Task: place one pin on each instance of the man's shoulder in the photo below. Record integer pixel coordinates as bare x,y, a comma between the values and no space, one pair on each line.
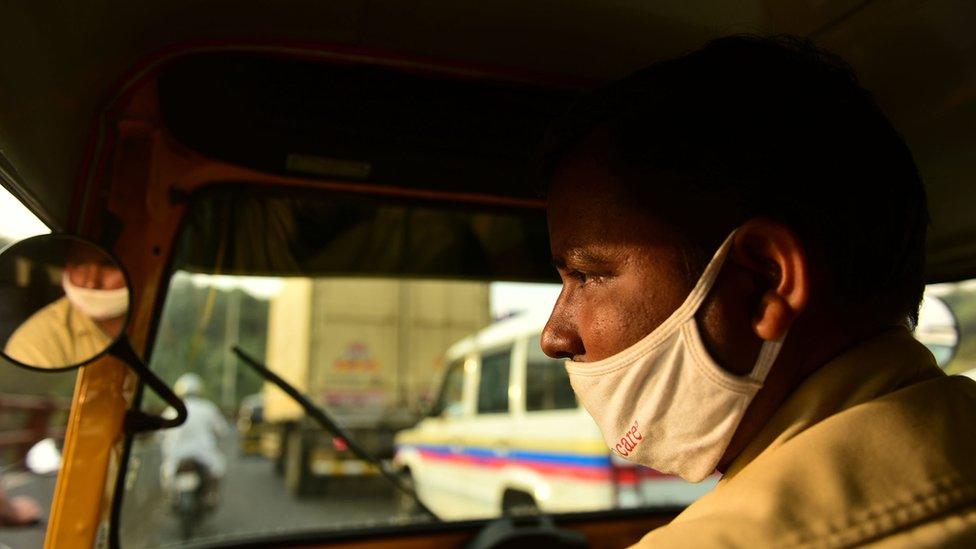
54,314
45,329
953,529
725,530
896,462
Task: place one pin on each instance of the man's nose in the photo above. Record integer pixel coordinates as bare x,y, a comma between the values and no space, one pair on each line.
88,276
560,338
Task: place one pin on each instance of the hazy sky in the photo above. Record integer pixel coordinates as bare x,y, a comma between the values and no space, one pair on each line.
16,221
507,298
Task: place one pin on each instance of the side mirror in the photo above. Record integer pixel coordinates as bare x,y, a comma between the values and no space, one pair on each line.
65,302
938,329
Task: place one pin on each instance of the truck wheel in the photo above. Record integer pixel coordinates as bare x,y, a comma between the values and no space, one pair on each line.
281,432
298,479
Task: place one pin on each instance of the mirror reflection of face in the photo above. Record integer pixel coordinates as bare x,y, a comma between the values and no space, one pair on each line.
95,275
65,302
87,267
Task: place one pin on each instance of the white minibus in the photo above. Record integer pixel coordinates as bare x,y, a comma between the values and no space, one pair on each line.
506,433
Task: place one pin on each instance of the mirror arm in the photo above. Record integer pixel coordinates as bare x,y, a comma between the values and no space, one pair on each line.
137,421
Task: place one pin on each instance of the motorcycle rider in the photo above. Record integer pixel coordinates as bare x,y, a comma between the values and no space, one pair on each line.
196,439
18,510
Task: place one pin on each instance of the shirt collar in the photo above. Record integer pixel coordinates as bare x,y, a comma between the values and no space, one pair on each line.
873,368
82,326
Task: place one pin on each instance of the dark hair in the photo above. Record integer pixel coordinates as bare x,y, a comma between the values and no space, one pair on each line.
771,127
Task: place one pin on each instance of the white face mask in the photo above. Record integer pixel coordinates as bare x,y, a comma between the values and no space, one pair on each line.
96,304
663,402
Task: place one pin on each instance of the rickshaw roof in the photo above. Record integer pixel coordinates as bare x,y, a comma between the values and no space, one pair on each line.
62,62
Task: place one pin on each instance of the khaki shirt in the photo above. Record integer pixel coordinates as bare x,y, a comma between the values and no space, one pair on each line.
876,448
57,336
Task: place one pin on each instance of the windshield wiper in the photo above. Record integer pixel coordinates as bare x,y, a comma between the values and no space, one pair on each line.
323,418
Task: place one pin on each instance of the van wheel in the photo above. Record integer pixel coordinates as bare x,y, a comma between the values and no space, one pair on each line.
406,506
516,502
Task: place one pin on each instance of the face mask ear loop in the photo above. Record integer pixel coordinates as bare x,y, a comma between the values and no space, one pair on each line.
767,356
708,278
770,349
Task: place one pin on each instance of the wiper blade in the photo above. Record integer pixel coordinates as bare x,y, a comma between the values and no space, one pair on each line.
323,418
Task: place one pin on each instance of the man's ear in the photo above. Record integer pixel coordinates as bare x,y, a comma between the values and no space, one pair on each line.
774,255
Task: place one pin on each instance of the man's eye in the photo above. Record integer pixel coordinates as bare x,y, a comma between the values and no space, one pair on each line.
578,275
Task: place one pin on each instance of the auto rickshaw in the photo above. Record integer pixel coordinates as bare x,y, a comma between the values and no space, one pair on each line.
215,137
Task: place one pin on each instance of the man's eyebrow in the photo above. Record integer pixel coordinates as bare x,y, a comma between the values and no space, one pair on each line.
578,255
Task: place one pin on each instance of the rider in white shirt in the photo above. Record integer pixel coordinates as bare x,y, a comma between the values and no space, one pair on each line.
199,437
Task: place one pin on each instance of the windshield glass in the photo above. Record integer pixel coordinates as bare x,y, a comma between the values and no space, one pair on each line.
415,326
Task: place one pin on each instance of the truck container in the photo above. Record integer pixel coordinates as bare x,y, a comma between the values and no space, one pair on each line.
369,351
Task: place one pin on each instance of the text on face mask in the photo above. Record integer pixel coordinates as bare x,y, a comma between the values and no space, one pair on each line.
629,441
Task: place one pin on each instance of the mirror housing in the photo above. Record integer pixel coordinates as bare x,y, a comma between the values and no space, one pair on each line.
938,329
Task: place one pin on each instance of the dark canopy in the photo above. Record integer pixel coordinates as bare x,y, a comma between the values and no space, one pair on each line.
59,62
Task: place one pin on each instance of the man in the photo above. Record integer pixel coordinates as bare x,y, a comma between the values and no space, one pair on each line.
197,439
83,323
740,235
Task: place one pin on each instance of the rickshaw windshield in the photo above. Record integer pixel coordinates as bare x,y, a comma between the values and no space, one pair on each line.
416,325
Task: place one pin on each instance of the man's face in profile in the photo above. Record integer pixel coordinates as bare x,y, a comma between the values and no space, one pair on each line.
622,273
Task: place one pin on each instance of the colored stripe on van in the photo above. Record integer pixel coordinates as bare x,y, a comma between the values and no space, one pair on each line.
579,466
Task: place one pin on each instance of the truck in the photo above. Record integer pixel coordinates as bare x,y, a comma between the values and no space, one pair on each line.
367,350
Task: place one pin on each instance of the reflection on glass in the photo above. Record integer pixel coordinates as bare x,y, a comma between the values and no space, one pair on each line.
451,400
493,387
65,301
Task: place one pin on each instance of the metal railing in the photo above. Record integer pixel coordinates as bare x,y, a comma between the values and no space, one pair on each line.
26,421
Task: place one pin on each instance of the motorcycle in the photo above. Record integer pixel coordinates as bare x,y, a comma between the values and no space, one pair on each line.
194,493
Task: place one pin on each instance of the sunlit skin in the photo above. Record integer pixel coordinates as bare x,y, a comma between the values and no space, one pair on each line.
624,273
97,274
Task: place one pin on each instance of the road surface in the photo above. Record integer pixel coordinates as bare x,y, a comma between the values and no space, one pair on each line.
41,488
253,503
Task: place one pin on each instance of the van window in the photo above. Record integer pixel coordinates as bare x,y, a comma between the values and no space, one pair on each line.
546,381
493,386
451,402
